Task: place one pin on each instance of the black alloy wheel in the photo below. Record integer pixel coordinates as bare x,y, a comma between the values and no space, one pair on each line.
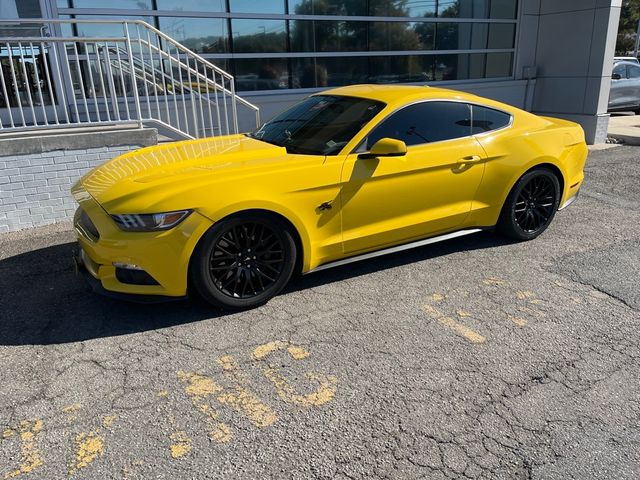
535,204
244,260
531,205
247,260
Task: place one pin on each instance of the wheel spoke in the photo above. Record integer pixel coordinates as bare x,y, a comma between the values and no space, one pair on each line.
262,274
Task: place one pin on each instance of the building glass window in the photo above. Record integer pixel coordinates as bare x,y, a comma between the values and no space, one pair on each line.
470,36
506,9
116,4
328,36
328,7
251,48
99,30
251,36
253,6
191,5
402,69
202,35
261,74
19,9
390,36
328,71
498,65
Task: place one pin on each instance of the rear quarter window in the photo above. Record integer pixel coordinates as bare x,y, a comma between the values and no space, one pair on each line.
486,119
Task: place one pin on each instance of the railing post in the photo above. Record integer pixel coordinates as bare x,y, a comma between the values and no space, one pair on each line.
234,111
136,97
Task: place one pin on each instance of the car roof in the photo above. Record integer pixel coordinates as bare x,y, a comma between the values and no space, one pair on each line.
398,94
392,93
626,62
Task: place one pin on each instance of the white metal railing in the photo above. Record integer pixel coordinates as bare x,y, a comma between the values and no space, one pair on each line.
136,75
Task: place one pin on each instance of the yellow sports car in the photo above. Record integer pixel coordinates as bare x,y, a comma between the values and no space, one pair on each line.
344,175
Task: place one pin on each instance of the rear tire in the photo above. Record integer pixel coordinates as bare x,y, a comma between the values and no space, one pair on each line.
243,261
531,205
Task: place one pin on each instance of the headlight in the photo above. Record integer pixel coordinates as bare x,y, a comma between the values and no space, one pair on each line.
149,222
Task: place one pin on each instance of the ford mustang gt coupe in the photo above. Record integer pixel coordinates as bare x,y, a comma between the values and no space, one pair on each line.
346,174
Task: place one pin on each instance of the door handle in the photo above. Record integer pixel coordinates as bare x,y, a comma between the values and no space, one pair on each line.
470,160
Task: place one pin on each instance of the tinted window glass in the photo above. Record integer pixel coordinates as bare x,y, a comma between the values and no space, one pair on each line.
487,119
634,72
620,69
424,123
319,125
403,8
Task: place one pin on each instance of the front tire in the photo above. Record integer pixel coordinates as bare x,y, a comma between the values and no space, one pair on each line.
530,206
243,261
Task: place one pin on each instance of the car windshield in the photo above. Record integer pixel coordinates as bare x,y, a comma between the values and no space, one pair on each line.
319,125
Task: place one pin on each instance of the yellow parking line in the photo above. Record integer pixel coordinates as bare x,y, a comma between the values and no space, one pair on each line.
521,322
496,282
458,328
461,330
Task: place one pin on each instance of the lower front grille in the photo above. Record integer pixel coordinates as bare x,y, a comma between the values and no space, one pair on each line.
88,225
134,277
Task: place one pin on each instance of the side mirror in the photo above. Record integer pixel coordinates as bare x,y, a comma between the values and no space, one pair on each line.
386,147
616,76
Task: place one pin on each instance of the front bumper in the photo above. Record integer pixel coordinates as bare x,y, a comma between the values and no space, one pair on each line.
162,255
81,260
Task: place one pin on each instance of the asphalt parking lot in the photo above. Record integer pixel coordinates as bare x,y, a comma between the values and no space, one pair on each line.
476,358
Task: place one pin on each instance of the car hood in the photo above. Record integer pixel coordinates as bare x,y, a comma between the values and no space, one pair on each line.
179,163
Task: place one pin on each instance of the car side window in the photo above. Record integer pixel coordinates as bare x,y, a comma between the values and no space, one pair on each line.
486,119
425,122
634,72
621,70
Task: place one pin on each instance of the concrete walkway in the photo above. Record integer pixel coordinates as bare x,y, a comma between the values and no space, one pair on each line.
625,127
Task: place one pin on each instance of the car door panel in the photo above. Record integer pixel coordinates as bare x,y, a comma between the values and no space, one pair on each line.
618,87
394,200
633,72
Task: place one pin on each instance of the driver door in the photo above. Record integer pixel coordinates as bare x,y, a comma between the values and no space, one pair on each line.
394,200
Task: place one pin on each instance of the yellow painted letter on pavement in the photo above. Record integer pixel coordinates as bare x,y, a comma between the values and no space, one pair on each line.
29,452
199,388
327,384
241,399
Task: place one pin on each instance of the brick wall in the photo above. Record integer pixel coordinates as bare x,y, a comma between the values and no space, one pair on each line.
34,188
38,170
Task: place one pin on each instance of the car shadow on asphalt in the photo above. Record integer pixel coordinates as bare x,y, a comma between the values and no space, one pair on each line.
44,301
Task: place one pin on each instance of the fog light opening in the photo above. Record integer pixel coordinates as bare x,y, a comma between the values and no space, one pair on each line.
127,266
137,276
